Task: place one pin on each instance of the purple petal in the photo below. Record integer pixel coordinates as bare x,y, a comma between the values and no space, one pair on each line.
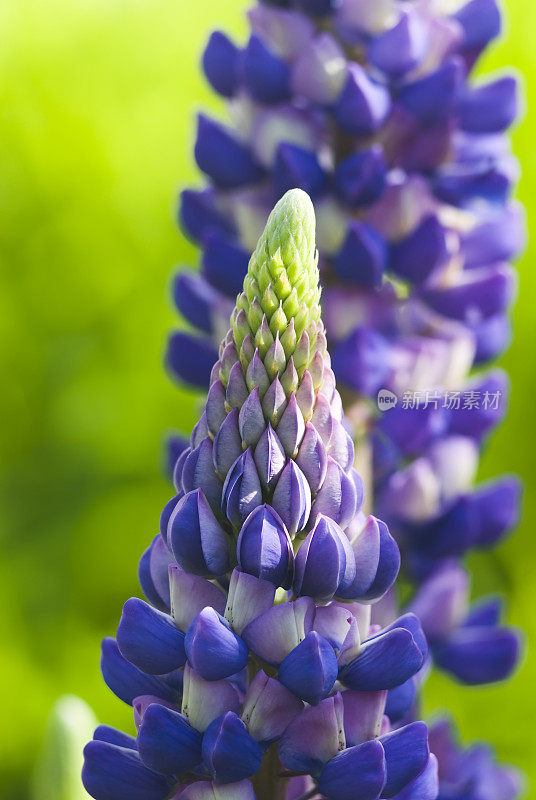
274,634
269,458
269,708
149,639
357,773
292,498
363,715
406,755
117,773
198,542
166,741
310,670
314,737
264,548
204,701
324,563
248,598
213,649
230,754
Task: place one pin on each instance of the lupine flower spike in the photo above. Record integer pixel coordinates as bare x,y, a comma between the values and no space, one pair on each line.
253,669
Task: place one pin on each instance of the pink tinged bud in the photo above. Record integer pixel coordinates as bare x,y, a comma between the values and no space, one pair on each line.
352,644
328,382
200,431
305,396
159,561
249,597
322,418
215,407
334,624
264,548
190,594
320,70
292,498
314,737
197,541
241,490
228,359
316,368
227,444
274,634
269,458
341,446
204,701
178,468
237,391
363,715
291,427
141,704
325,562
337,497
251,422
274,402
269,708
256,375
198,473
312,457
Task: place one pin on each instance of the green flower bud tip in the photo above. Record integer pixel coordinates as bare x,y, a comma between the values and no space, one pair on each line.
278,312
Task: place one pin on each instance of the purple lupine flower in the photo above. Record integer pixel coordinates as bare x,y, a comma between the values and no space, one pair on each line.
257,627
471,773
467,641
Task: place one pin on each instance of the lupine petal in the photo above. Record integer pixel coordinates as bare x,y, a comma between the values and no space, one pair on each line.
198,542
314,737
357,773
274,634
406,755
117,773
269,708
150,639
213,649
166,741
229,753
310,670
126,680
384,662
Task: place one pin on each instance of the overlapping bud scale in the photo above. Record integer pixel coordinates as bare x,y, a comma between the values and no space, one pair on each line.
260,584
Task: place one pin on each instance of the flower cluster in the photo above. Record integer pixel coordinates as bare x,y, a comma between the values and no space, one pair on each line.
255,657
371,109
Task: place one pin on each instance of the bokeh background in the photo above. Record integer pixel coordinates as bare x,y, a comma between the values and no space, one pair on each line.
97,101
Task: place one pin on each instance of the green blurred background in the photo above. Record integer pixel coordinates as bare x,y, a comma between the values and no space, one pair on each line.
97,108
